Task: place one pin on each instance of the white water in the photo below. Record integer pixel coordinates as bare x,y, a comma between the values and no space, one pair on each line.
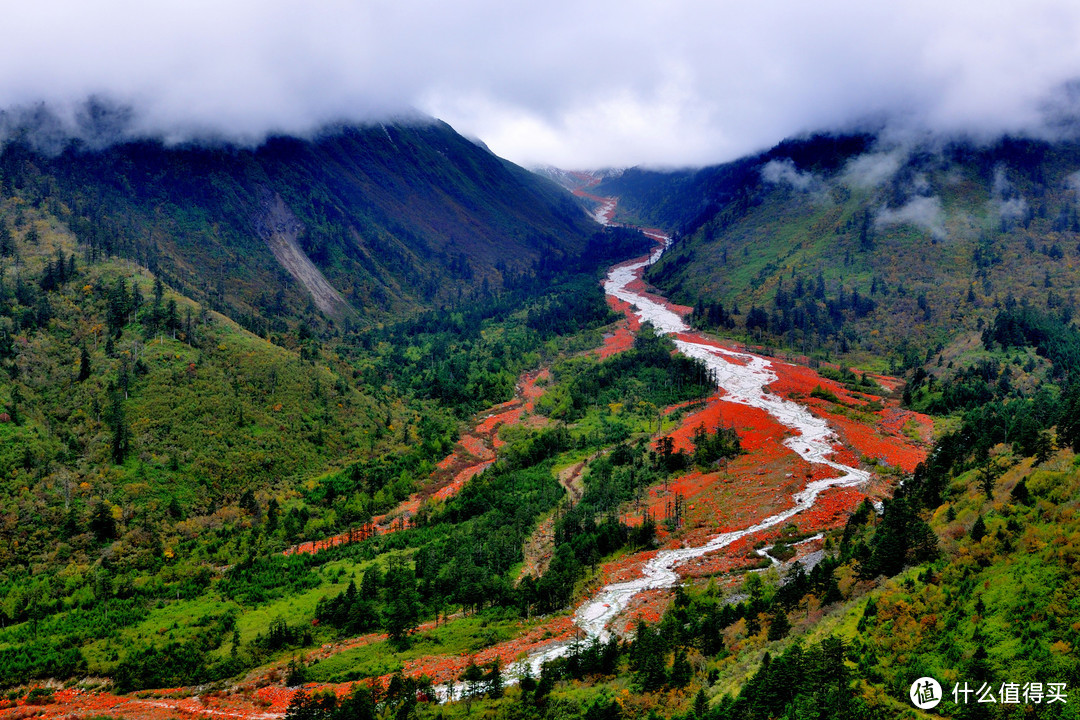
743,382
603,213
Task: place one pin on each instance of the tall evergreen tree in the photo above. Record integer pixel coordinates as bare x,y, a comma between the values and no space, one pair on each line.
402,613
84,363
118,307
7,243
102,523
121,432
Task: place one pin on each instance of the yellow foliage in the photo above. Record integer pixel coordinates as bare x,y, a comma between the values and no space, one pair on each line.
135,490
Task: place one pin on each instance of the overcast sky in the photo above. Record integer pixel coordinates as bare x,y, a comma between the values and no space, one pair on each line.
575,84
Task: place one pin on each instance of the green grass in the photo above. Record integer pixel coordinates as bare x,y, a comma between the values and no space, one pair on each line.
457,637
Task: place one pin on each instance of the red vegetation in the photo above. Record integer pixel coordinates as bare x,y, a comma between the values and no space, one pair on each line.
475,451
262,703
445,668
800,381
830,511
729,497
618,341
648,606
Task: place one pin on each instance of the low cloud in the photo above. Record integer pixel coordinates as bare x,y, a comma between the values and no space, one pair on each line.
1013,209
621,83
95,123
1072,181
1001,187
923,212
783,172
1006,201
872,170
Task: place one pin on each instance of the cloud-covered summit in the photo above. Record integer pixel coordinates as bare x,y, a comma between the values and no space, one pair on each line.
686,82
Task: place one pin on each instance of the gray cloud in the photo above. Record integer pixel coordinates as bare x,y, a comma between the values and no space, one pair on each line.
783,172
923,212
1072,181
873,169
1009,205
603,83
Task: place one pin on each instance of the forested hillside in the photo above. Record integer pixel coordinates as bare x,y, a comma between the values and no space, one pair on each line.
157,458
354,225
854,247
220,500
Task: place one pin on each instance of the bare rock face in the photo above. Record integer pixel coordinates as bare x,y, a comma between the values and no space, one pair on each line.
280,229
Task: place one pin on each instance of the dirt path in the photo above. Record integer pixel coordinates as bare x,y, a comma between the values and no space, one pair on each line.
570,479
540,545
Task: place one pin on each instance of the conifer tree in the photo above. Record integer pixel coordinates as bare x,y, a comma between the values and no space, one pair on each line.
119,305
978,530
7,243
779,627
102,523
402,613
84,363
121,433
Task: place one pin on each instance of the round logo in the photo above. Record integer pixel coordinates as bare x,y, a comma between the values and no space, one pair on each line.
925,693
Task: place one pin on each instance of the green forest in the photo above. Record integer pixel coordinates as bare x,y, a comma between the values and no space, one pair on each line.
169,432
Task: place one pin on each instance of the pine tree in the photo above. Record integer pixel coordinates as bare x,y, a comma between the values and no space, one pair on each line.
13,406
701,705
370,584
136,296
779,626
7,243
84,363
296,673
402,613
272,512
118,308
172,317
249,504
494,680
978,529
102,523
1020,492
188,331
152,320
681,671
121,433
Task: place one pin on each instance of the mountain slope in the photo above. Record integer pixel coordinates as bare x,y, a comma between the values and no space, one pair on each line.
844,245
368,221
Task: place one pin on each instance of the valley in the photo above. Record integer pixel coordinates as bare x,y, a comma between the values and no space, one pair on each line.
802,473
553,491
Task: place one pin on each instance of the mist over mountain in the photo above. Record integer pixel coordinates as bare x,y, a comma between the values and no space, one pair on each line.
312,405
898,248
607,85
362,221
